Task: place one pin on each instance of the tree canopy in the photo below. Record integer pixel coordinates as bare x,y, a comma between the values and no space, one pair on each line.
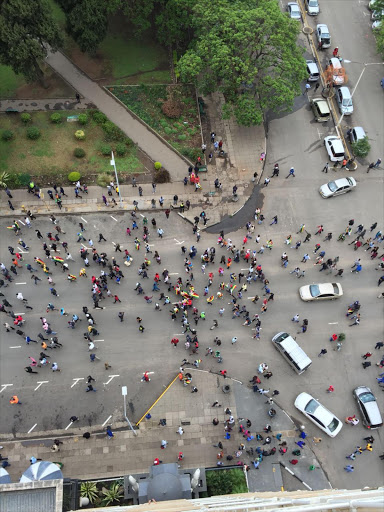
246,49
27,29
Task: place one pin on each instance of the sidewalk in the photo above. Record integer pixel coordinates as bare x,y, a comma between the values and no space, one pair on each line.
39,105
135,130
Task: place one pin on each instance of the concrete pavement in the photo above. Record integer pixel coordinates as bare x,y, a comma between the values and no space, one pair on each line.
48,104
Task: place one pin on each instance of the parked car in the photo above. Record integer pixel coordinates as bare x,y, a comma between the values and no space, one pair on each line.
368,406
322,291
335,148
323,35
318,414
338,72
313,71
337,187
294,11
355,134
344,101
320,110
312,7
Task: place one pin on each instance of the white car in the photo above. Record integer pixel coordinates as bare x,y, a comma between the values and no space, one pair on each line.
335,148
337,187
318,414
313,71
294,11
322,291
312,7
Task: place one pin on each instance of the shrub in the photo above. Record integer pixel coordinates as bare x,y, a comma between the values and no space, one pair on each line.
105,149
89,490
361,148
4,179
83,118
74,176
103,179
162,176
56,118
182,136
99,117
33,133
121,149
113,494
7,135
80,135
26,118
79,152
341,336
158,166
112,132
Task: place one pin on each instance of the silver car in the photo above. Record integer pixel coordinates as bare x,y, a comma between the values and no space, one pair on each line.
368,407
294,11
312,7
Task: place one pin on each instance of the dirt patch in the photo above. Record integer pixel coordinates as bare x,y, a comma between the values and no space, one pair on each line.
54,87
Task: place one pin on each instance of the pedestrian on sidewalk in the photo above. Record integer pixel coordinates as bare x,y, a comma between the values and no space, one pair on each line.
109,432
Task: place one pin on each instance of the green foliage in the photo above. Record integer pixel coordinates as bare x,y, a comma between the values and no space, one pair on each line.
342,336
7,135
74,176
89,490
361,148
173,22
113,494
79,152
249,54
139,13
379,35
27,29
33,133
87,23
4,179
112,132
162,176
103,179
83,119
25,118
230,481
80,134
56,118
105,149
158,166
121,149
99,117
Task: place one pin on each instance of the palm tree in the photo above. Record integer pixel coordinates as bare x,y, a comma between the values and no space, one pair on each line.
4,178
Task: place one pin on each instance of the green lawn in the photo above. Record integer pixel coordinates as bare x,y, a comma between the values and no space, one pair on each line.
51,156
182,131
9,82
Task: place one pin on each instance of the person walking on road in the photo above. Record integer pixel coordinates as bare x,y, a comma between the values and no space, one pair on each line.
291,173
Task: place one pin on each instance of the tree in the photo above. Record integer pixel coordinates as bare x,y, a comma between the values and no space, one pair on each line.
379,35
87,22
173,23
27,30
140,12
361,148
247,50
226,481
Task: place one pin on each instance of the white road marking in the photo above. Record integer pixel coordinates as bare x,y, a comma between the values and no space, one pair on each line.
111,377
76,381
98,340
21,222
17,346
17,314
333,323
40,383
20,283
22,251
30,430
106,421
85,247
95,226
174,274
67,427
4,386
113,218
177,242
142,215
82,218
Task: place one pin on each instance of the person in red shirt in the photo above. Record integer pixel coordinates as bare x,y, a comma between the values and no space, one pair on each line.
156,462
174,341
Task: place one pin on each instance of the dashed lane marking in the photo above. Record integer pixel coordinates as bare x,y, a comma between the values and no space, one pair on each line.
17,346
98,340
333,323
110,378
67,427
76,381
21,222
40,383
82,218
20,283
113,218
106,421
4,386
30,430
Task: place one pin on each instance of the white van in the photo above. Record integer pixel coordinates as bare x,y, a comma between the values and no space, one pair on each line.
290,350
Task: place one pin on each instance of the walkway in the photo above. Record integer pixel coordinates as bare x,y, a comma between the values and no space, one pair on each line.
136,131
39,105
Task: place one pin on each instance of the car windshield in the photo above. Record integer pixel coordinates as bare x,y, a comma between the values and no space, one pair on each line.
332,186
333,425
347,102
367,397
350,182
335,288
314,290
313,3
311,406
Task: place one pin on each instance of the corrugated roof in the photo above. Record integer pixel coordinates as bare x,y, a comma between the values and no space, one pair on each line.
31,500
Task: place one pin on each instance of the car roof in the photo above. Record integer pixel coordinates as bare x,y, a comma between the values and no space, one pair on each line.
345,92
293,4
360,132
312,66
323,27
361,389
335,62
342,182
322,413
336,143
325,287
322,104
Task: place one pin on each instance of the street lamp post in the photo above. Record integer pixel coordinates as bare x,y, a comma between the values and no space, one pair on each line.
113,163
124,392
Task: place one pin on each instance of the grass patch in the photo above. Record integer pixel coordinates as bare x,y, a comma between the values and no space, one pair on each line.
183,133
9,82
51,156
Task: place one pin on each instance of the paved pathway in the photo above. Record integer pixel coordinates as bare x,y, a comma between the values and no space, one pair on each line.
136,131
49,104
